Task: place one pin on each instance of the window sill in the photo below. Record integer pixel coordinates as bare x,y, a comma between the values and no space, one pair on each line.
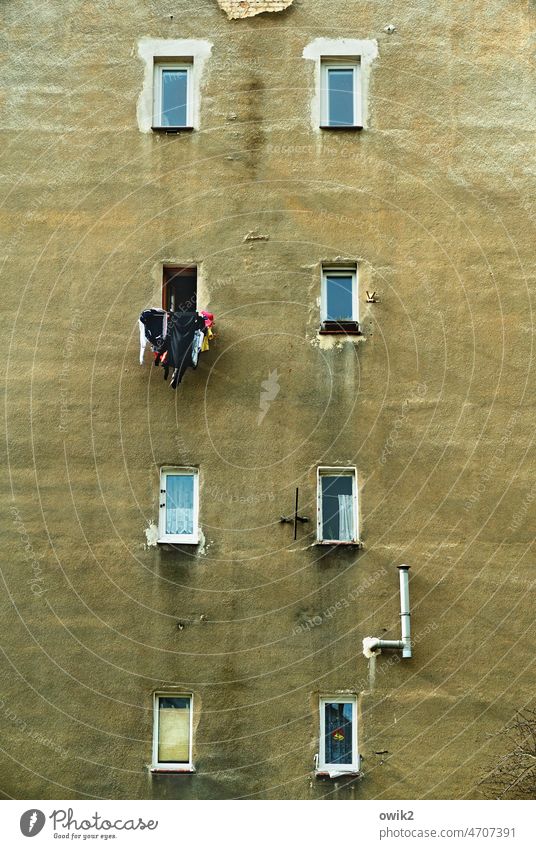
172,129
338,543
173,770
176,541
348,327
351,127
324,332
338,773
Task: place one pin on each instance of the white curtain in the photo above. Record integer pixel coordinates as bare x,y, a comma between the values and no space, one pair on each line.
174,733
346,519
179,504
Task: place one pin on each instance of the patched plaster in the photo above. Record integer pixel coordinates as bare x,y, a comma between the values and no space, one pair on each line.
248,8
151,534
149,49
365,49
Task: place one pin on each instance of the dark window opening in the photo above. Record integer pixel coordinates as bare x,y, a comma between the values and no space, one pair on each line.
179,289
337,508
338,733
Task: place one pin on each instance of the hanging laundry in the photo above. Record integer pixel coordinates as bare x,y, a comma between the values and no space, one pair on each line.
209,333
206,339
179,342
153,328
209,318
177,339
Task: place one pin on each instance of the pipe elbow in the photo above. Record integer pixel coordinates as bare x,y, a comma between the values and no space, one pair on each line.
371,646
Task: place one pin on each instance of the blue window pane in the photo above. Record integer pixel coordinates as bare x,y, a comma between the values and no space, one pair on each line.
179,504
337,508
341,97
339,297
174,98
338,732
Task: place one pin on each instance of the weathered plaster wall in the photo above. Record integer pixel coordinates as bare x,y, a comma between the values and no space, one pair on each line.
434,405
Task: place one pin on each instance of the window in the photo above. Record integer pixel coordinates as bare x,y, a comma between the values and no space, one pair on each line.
339,300
337,506
172,732
338,735
179,288
172,95
179,507
341,73
340,97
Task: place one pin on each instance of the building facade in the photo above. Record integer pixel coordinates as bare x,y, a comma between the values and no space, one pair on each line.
345,186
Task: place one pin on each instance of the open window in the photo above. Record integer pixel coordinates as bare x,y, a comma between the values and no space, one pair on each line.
339,299
177,331
173,94
179,288
340,93
172,733
338,753
337,511
179,506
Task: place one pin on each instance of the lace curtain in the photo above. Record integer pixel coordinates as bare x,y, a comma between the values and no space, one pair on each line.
346,519
180,504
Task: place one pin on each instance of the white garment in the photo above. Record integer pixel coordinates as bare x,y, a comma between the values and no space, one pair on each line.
143,341
143,338
346,519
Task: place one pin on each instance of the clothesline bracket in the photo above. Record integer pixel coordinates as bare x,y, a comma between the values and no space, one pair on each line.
293,520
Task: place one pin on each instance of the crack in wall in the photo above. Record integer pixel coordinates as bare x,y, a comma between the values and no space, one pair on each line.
248,8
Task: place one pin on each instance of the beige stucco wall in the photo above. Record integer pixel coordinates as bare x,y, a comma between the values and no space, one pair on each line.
434,405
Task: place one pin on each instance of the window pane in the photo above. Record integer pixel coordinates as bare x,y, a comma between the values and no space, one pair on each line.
341,97
338,732
179,504
173,730
174,97
339,297
337,508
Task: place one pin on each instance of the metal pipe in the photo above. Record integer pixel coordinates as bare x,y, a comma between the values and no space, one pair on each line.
389,644
405,615
373,644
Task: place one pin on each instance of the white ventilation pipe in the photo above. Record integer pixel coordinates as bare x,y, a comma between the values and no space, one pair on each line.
373,645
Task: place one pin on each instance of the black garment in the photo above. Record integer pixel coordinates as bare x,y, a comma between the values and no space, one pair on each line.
153,320
179,340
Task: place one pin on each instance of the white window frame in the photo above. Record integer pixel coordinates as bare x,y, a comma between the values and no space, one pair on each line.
167,65
339,271
350,471
185,539
178,766
341,63
322,766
